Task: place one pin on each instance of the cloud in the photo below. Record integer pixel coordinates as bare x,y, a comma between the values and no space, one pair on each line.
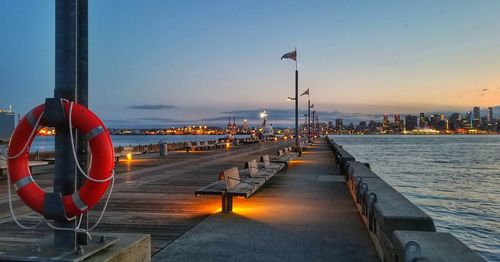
485,89
152,107
159,119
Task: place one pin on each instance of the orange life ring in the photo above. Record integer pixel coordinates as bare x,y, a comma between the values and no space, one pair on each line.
102,163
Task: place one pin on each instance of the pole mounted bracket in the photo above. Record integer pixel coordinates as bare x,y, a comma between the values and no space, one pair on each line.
53,207
54,115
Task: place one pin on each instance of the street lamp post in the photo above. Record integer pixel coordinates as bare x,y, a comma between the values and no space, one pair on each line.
293,55
308,119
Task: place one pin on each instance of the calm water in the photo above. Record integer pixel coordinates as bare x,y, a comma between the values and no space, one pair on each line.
454,179
46,143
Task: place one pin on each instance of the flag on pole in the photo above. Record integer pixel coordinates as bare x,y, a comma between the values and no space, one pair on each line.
305,92
292,55
312,106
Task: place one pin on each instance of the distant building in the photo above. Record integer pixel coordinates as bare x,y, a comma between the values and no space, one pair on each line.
411,122
386,123
441,125
476,121
338,124
398,124
454,121
490,115
422,123
468,120
7,124
484,123
330,125
362,126
477,113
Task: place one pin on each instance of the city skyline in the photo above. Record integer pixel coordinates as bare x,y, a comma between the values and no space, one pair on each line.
168,61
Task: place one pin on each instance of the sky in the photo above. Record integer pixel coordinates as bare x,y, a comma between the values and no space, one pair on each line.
169,63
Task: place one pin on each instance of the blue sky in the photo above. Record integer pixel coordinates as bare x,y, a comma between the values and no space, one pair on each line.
203,60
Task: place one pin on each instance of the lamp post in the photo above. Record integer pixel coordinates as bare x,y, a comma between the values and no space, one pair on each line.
314,126
308,119
263,115
293,56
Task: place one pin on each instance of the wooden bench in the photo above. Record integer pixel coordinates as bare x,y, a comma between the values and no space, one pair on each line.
242,183
253,170
36,163
127,150
250,141
220,143
190,147
266,163
232,185
207,146
284,156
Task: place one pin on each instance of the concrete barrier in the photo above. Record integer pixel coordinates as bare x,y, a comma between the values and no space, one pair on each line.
387,211
395,224
356,171
431,246
342,157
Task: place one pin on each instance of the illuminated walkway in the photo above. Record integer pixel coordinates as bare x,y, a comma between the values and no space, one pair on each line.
303,214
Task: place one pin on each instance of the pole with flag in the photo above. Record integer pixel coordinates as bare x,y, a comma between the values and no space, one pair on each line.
293,55
308,114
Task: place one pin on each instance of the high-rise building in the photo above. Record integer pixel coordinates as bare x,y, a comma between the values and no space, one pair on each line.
338,124
490,115
422,123
484,123
362,126
398,124
385,123
477,113
411,122
7,124
468,120
476,121
454,121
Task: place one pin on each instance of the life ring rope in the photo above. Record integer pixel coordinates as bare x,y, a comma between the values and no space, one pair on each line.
91,134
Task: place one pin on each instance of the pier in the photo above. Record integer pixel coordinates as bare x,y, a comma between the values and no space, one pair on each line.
307,212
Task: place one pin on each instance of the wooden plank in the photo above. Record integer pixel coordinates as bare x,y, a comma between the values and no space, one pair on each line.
153,195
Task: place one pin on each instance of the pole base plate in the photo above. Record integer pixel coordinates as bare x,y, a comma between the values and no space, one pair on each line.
44,250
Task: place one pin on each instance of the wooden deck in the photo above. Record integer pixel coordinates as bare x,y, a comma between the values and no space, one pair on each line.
153,195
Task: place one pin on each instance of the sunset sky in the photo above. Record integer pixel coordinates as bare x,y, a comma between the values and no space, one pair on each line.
171,62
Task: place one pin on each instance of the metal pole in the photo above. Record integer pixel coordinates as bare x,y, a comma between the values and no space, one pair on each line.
308,119
297,109
82,98
65,84
314,126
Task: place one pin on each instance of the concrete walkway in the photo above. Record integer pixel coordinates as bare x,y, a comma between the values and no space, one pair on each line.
303,214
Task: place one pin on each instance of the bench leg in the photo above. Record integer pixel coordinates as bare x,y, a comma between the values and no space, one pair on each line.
227,203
